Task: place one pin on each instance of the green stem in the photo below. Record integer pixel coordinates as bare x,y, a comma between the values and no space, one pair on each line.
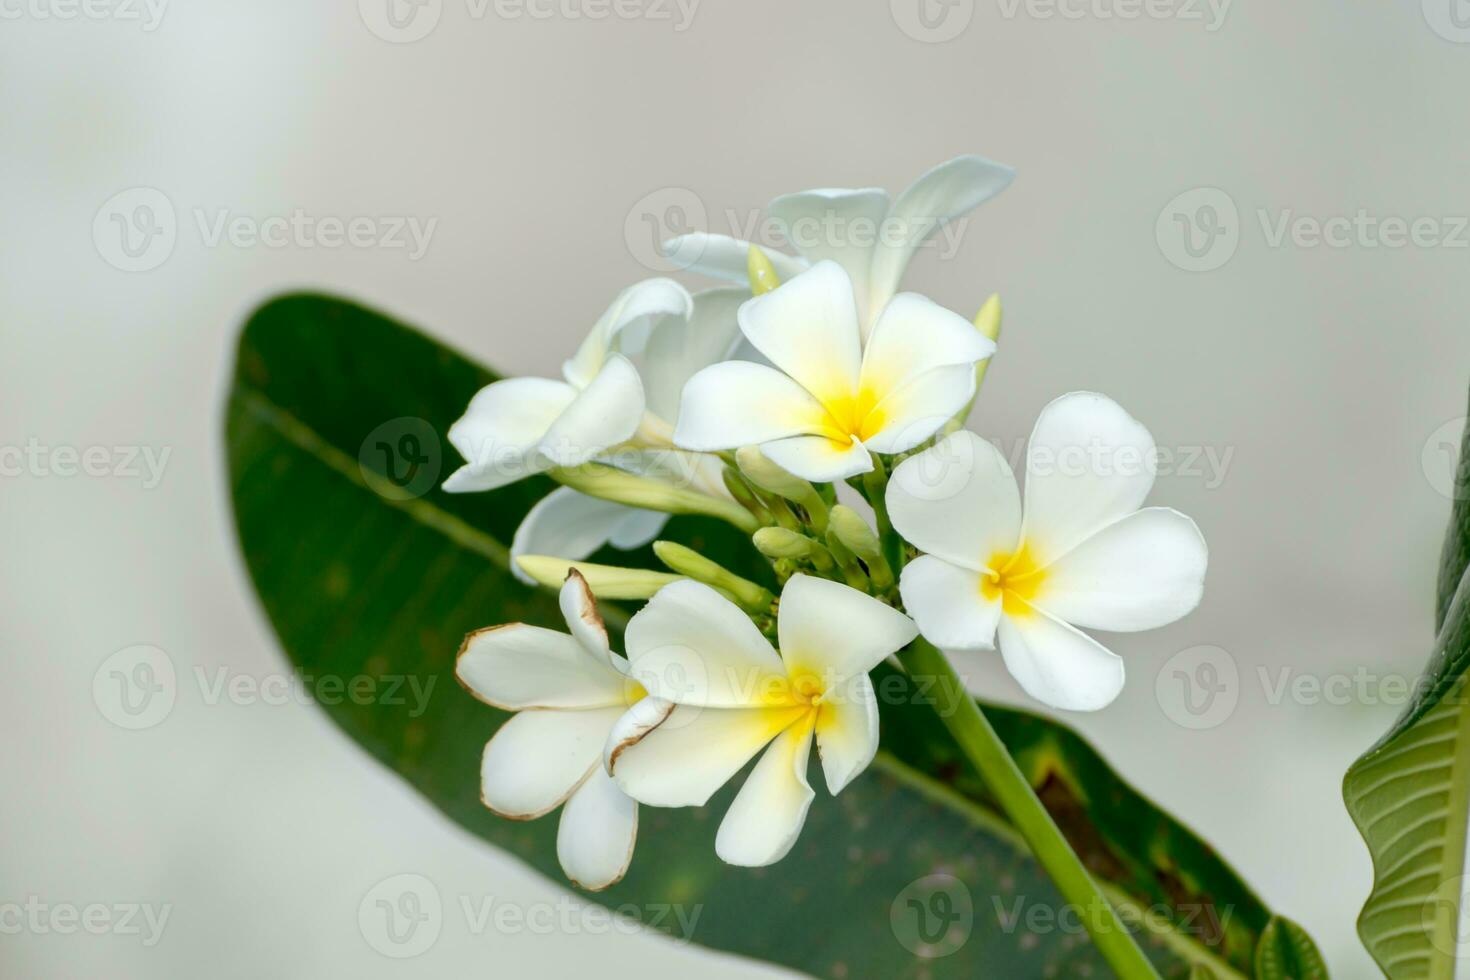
875,491
983,747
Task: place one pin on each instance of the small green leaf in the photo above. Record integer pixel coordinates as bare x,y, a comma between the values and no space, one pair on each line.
1286,952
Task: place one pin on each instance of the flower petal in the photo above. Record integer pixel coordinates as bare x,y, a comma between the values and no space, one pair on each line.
946,601
1139,573
738,403
1058,665
518,666
686,759
835,632
723,257
572,525
913,336
677,349
837,224
847,733
691,645
607,412
818,458
767,815
957,500
500,429
948,191
537,758
808,327
584,622
921,407
641,302
599,826
1088,464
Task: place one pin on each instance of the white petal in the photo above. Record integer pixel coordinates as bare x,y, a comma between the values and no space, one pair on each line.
847,733
1088,464
737,403
500,429
691,755
607,412
599,825
819,459
808,327
915,335
767,815
538,758
1058,665
836,632
946,601
912,413
723,257
518,666
691,645
643,717
948,191
572,525
838,224
584,622
677,349
957,500
1139,573
639,304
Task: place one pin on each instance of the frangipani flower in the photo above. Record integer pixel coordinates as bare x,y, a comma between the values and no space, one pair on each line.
858,229
734,695
833,398
569,692
1083,554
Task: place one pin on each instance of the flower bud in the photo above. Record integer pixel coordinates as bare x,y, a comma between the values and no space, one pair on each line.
608,483
848,526
762,273
605,581
771,478
690,563
777,543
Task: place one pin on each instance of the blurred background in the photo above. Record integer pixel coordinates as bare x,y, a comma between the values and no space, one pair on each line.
169,164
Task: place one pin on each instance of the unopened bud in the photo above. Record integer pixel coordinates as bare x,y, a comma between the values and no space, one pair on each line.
609,483
848,526
690,563
605,581
773,479
762,273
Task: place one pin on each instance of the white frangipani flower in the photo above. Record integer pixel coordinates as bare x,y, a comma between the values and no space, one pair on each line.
833,398
1083,554
860,230
569,693
734,695
518,427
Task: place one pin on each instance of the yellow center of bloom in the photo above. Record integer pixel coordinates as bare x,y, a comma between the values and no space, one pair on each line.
854,416
1013,577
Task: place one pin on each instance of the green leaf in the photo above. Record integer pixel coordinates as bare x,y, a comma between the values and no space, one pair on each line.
367,570
1286,952
1410,793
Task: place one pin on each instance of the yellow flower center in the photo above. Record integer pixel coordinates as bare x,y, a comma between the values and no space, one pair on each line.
854,416
1015,578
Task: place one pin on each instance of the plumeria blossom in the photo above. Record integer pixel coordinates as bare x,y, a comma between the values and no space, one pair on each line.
617,404
568,692
859,229
832,397
1081,553
734,695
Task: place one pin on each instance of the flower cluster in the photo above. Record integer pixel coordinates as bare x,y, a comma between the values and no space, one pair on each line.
757,404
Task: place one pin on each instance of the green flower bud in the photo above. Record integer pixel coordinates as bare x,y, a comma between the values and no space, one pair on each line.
762,273
609,483
605,581
690,563
848,526
771,478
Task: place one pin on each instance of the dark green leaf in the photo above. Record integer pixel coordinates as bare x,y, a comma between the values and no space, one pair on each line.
1286,952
